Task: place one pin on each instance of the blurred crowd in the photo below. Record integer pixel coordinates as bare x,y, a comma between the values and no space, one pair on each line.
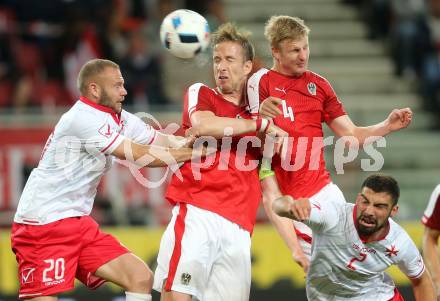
44,43
412,30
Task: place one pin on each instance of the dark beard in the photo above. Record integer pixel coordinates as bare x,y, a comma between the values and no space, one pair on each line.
364,231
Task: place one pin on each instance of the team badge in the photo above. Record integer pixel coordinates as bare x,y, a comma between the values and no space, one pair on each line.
312,88
106,130
391,251
185,278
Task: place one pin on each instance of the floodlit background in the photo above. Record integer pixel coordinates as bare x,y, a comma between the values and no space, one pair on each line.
377,54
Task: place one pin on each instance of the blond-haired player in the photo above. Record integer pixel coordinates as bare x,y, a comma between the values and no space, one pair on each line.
205,250
299,101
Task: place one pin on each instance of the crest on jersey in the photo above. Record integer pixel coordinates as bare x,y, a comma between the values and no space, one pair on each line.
391,251
105,130
311,87
185,278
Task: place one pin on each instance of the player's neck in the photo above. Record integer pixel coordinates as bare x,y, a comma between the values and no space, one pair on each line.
279,69
234,97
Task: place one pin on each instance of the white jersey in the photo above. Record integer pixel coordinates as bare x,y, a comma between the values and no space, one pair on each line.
75,157
343,267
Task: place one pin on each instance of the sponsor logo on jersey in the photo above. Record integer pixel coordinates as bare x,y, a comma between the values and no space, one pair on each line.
280,90
311,87
185,278
27,275
54,282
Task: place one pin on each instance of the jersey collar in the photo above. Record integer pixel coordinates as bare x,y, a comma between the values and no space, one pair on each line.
116,117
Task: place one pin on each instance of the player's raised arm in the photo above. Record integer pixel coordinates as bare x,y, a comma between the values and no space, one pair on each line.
398,119
423,287
152,156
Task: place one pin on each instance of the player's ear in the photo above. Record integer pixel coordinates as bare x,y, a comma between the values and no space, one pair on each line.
276,53
95,90
394,210
358,198
248,67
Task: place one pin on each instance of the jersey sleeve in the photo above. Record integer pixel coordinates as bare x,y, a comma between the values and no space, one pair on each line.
431,216
323,216
94,134
411,261
199,98
257,90
333,107
138,131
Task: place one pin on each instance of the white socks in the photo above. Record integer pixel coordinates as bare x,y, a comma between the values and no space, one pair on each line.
137,297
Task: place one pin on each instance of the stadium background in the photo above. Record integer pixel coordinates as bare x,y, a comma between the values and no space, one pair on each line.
369,50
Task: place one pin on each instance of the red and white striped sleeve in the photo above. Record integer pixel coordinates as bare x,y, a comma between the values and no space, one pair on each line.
431,216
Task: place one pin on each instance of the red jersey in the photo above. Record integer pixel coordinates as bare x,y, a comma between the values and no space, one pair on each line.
431,216
222,188
308,101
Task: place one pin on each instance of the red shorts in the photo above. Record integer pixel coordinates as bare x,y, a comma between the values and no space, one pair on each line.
51,256
397,296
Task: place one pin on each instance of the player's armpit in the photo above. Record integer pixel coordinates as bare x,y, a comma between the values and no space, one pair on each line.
152,156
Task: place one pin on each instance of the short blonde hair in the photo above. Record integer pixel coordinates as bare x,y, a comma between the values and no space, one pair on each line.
90,70
229,32
279,28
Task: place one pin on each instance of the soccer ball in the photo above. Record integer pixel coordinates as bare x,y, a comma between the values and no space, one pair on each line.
184,33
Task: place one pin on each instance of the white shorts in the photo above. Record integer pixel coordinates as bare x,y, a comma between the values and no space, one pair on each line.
329,193
204,255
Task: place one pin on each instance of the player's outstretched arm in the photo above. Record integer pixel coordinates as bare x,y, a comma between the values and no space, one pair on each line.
398,119
423,288
205,123
430,254
154,156
284,226
173,141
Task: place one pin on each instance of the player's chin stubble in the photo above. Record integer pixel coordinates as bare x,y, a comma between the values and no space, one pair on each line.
106,101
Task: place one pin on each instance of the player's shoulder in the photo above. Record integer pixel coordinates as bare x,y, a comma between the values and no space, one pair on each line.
319,79
436,193
257,77
82,117
201,88
79,114
397,234
432,206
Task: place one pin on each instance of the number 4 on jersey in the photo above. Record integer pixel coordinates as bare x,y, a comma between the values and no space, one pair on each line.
287,111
